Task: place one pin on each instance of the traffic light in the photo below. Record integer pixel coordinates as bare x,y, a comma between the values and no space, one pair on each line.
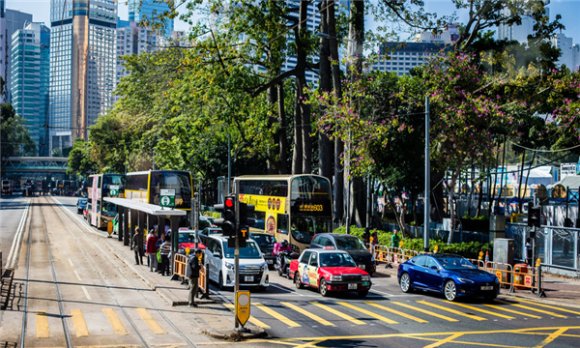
533,216
228,220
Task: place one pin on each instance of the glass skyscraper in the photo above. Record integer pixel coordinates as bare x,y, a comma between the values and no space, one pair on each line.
82,66
150,10
29,76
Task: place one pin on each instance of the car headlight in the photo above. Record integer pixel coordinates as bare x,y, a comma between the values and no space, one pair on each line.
465,280
230,266
366,278
336,278
264,267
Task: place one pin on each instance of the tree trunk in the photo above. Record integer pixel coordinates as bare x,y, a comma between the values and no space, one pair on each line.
271,164
297,151
521,196
451,198
325,151
282,136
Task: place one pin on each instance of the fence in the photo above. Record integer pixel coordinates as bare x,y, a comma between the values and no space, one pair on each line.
180,270
439,231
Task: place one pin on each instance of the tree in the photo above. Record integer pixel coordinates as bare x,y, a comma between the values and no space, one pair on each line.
15,139
80,160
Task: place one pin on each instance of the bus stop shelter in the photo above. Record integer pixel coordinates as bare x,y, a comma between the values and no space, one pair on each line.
133,214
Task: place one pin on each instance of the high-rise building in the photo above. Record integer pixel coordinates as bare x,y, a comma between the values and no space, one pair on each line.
520,32
134,39
568,51
401,57
82,66
10,21
29,76
150,10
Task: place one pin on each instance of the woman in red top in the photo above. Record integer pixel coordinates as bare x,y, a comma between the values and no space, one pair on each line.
151,250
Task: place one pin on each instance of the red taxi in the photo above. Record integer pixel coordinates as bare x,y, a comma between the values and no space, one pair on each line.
329,271
186,240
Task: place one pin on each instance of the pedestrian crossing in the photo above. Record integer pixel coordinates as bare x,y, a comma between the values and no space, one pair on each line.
329,313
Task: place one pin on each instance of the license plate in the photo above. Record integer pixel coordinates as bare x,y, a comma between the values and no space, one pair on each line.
270,261
248,278
351,286
489,287
361,266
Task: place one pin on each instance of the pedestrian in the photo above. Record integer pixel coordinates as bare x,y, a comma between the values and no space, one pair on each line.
137,245
151,250
529,256
395,239
165,250
194,262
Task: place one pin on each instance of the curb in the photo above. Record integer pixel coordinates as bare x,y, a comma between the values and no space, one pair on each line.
543,300
233,335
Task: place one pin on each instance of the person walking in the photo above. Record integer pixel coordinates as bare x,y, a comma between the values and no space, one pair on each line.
194,262
165,249
151,250
137,245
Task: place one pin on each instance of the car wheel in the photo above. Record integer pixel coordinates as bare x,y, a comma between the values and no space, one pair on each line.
405,283
221,281
363,293
450,290
323,288
297,282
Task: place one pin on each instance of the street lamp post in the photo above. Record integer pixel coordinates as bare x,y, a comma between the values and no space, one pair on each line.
426,206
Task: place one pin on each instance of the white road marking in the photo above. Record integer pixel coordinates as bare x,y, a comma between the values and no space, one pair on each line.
13,255
86,293
383,293
77,275
71,263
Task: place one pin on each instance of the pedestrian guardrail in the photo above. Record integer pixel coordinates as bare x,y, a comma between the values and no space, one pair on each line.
202,280
517,277
392,255
179,265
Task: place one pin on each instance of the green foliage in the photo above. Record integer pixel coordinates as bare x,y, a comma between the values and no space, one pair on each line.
79,159
15,139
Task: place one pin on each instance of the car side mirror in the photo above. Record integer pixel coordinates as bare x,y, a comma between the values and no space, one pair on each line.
435,268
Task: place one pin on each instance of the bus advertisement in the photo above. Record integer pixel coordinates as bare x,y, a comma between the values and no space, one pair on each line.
290,207
100,186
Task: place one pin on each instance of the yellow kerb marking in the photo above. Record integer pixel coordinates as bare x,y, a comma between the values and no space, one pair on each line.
115,321
445,340
252,319
310,315
79,323
42,330
501,308
421,310
369,313
499,315
338,313
276,315
552,337
470,316
394,311
151,323
539,310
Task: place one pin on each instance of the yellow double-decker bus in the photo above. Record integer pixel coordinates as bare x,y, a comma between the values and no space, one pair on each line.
290,207
146,186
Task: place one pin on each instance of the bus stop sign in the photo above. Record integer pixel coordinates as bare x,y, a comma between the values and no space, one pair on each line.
114,190
167,198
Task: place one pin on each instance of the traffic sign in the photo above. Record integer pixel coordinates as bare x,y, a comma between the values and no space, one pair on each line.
167,198
243,306
114,190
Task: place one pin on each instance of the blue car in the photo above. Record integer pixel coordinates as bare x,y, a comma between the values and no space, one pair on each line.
451,275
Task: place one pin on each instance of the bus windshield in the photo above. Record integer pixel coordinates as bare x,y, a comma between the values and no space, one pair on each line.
304,227
179,181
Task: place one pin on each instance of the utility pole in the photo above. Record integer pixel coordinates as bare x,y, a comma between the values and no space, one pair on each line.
237,253
229,165
427,205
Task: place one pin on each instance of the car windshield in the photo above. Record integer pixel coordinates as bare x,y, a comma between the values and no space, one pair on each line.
250,251
349,243
186,237
454,262
263,239
336,260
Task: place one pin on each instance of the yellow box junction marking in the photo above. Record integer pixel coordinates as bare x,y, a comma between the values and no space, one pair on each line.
539,310
366,312
552,337
115,321
502,308
310,315
421,310
338,313
42,330
447,339
151,323
252,319
470,316
276,315
79,323
499,315
394,311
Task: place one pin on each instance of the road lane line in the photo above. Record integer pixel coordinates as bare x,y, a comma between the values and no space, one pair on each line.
421,310
252,319
77,275
552,337
42,330
86,293
71,263
551,307
501,308
151,323
367,312
338,313
17,241
448,339
499,315
539,310
79,323
394,311
276,315
115,321
310,315
470,316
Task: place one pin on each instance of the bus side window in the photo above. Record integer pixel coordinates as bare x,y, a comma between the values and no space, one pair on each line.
283,223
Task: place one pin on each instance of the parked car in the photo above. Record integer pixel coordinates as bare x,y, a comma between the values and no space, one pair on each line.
448,274
186,239
266,243
81,205
351,244
219,259
329,271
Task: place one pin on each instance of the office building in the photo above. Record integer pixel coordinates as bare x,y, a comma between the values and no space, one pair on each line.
134,39
520,32
150,11
569,53
29,77
401,57
10,21
82,66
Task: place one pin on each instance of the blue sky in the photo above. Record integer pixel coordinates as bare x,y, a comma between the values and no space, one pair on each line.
569,9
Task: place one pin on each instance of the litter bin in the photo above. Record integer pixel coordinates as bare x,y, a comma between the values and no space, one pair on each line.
520,270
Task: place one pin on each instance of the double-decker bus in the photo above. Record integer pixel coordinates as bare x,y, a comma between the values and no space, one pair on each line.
146,186
100,186
290,207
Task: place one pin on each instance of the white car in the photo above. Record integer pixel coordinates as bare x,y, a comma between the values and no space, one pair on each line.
219,260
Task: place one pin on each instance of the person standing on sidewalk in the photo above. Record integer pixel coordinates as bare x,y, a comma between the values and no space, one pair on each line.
151,250
137,245
195,266
164,251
